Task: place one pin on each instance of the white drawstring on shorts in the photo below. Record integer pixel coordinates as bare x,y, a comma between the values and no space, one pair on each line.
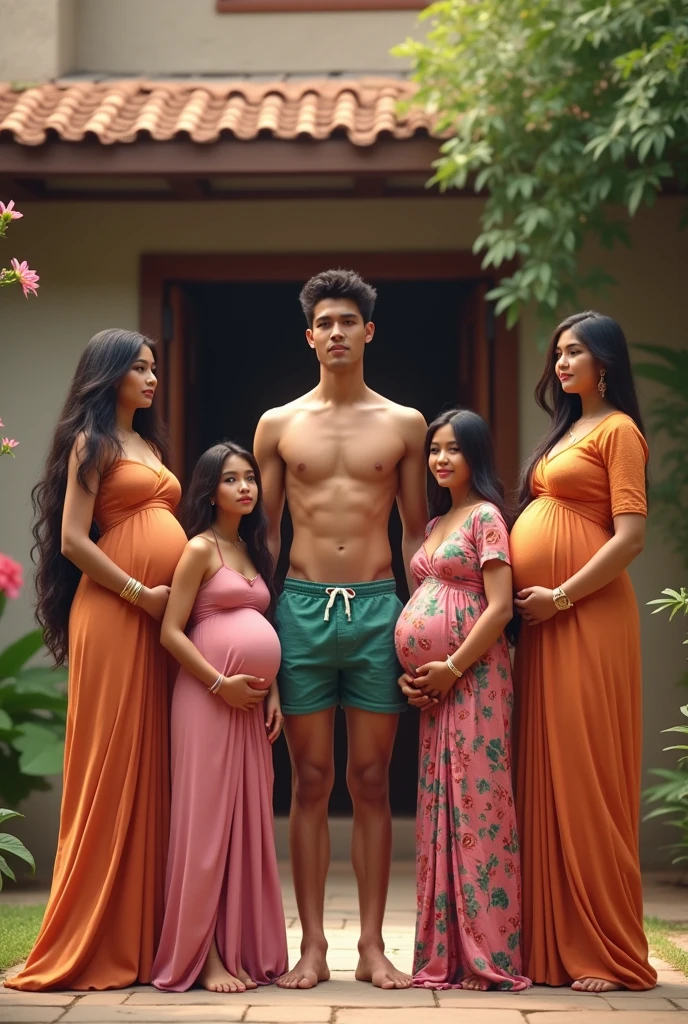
346,593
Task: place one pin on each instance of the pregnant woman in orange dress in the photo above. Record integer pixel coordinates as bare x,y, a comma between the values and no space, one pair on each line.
224,922
108,544
577,673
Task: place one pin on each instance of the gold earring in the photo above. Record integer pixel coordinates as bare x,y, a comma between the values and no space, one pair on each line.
212,502
602,384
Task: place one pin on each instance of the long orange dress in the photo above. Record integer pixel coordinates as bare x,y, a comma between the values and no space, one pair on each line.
104,915
577,681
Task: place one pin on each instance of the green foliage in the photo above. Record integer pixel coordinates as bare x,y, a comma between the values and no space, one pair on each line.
33,712
10,844
669,419
561,111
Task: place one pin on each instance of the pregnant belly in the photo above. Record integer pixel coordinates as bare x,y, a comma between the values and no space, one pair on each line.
549,543
239,640
420,637
147,546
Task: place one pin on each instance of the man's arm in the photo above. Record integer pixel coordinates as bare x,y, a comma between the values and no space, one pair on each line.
266,451
411,498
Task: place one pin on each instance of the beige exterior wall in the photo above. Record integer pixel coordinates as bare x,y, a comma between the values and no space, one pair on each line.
160,37
37,39
88,258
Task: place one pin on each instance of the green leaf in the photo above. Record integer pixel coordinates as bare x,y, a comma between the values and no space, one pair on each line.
6,815
10,844
5,720
18,653
5,869
41,751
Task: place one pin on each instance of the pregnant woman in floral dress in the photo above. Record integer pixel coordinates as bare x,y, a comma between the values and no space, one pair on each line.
451,645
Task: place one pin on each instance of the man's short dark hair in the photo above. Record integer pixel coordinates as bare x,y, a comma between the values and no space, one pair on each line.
338,284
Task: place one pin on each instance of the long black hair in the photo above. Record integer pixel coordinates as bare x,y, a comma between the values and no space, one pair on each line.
197,515
89,411
607,343
474,439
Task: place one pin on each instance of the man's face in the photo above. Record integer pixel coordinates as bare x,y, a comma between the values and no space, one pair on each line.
339,334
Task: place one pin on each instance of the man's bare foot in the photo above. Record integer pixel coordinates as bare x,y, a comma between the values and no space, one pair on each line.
474,983
215,978
594,985
374,967
246,978
311,969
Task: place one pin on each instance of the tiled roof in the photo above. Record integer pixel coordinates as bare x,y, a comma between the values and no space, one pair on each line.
126,110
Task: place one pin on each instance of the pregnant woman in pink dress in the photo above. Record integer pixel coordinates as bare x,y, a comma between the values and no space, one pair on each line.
224,922
450,642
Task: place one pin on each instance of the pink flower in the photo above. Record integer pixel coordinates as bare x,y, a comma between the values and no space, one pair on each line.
6,446
27,278
10,577
8,212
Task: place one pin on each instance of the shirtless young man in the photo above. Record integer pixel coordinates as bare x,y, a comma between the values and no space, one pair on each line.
341,454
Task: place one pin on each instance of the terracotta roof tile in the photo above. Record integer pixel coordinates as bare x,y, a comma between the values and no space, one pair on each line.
123,111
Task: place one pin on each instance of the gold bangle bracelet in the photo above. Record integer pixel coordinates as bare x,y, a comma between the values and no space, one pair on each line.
131,591
450,665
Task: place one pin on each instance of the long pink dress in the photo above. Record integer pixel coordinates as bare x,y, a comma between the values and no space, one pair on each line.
467,859
222,874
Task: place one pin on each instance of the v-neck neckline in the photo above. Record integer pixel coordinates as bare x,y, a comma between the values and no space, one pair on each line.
431,557
550,458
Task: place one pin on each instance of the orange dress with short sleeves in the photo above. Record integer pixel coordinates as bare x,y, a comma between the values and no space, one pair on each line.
577,683
104,915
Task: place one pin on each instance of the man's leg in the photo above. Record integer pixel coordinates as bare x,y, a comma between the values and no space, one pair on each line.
311,748
371,739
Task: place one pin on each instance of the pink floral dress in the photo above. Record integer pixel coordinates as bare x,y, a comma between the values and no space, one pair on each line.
467,859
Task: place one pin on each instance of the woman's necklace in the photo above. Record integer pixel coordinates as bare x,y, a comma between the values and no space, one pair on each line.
577,426
235,543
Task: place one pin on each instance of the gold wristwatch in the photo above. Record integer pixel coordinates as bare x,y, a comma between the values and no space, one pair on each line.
561,600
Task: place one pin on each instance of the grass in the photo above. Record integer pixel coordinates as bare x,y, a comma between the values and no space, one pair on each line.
19,926
659,934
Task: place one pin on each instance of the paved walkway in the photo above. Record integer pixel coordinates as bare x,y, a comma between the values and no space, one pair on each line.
345,1001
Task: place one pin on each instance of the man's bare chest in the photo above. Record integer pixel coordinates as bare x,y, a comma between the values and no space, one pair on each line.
314,450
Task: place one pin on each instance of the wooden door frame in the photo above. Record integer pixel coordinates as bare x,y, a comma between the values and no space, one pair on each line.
158,270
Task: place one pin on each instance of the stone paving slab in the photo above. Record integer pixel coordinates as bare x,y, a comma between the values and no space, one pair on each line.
534,999
288,1014
8,997
30,1014
440,1016
631,1017
151,1015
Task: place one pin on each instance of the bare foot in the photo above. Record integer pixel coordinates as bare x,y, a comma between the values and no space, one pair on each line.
594,985
373,966
311,969
474,983
246,978
215,978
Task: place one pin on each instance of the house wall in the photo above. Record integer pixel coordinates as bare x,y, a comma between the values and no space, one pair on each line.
37,39
159,37
88,257
43,39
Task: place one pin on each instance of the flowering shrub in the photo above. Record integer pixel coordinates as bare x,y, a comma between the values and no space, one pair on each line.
10,577
33,707
7,444
20,272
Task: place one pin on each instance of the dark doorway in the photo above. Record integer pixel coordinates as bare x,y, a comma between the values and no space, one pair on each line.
246,352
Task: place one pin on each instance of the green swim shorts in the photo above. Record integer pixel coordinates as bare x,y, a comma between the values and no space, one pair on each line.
338,646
